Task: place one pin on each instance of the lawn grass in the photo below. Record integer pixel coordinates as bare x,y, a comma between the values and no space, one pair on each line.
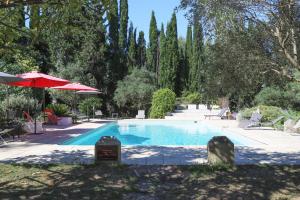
148,182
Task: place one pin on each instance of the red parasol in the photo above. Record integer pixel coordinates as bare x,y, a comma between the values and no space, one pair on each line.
75,86
36,79
39,80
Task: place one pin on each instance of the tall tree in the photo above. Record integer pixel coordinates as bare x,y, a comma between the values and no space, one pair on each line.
197,64
115,71
132,51
123,36
123,24
162,57
188,54
152,61
141,50
172,55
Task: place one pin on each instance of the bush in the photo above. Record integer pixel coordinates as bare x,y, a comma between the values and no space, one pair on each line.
193,98
287,98
86,106
268,113
135,91
61,110
20,103
271,96
163,101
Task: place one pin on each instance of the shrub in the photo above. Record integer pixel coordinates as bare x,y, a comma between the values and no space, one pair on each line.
61,110
193,98
135,91
163,101
269,113
20,103
86,106
271,96
289,97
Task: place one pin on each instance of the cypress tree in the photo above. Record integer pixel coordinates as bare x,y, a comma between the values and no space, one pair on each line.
181,71
132,52
130,33
172,54
141,50
123,36
162,57
188,54
123,24
197,64
153,45
115,70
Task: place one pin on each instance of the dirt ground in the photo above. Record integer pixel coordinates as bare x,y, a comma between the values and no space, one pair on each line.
148,182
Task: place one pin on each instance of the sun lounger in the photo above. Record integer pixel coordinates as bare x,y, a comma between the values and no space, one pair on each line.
220,114
10,132
140,115
29,126
254,120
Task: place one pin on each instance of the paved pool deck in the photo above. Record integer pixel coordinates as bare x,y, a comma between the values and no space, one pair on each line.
267,147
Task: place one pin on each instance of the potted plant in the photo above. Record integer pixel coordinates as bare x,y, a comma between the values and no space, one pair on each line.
62,111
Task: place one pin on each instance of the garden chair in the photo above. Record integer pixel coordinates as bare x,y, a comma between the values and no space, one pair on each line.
52,118
29,125
10,132
98,113
141,114
254,120
220,114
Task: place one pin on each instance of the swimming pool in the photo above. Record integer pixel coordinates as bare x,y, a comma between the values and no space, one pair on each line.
156,133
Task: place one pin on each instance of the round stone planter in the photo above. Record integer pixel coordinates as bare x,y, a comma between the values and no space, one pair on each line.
65,121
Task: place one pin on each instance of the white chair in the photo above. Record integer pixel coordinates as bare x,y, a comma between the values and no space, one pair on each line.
29,127
141,114
98,113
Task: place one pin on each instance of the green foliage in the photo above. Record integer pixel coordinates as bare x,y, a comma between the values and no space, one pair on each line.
20,103
123,24
65,97
162,57
135,91
193,98
286,98
132,51
197,70
2,112
153,45
87,105
163,101
268,113
271,96
61,110
170,64
141,50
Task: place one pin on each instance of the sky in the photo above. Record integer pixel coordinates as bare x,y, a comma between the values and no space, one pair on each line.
140,14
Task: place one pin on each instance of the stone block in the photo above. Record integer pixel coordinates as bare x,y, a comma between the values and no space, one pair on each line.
108,150
220,151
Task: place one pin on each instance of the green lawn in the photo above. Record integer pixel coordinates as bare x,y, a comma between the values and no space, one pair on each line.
148,182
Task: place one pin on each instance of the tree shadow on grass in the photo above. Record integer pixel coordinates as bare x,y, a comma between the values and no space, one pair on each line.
148,182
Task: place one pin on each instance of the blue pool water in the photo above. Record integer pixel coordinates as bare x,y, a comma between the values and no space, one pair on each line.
156,133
